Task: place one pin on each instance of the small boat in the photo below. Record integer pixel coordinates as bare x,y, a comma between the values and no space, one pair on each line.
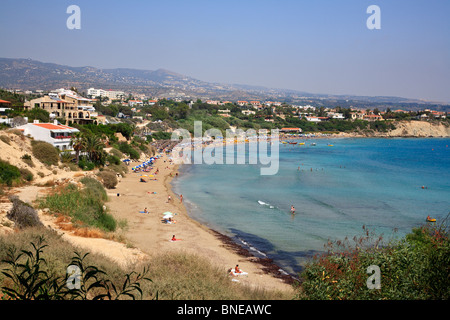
330,145
292,142
302,143
313,144
431,220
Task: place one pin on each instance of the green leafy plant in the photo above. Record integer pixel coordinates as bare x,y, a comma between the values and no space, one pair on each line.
31,280
416,267
9,173
45,152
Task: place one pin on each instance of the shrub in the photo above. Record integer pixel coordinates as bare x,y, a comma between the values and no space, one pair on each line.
9,173
116,153
23,214
26,174
85,206
27,159
45,152
86,165
66,156
17,132
413,268
161,135
113,159
32,280
5,139
121,169
129,150
95,188
109,179
72,166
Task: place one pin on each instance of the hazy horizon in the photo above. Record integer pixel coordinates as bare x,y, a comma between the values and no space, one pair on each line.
321,47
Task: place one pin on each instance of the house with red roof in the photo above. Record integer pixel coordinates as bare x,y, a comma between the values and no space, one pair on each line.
291,130
5,104
56,134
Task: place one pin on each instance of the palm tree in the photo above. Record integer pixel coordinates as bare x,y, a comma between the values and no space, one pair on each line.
93,145
78,144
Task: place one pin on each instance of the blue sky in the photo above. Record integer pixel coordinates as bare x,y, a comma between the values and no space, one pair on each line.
320,46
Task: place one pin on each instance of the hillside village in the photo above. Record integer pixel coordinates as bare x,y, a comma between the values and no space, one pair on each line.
71,100
56,116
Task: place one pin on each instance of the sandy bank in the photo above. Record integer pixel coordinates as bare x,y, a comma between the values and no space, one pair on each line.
147,232
405,129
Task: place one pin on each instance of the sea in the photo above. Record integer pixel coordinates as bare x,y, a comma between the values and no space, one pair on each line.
337,186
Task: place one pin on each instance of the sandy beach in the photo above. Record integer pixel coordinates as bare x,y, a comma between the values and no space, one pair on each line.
147,231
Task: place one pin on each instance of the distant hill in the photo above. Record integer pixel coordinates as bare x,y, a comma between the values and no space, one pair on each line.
27,74
31,74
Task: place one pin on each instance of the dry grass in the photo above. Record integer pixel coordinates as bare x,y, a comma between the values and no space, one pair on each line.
89,233
65,223
77,175
190,277
174,276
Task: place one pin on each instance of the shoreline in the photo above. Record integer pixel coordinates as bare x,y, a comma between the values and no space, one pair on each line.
150,235
267,264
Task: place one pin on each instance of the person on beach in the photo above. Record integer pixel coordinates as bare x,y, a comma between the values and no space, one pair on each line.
169,198
171,220
174,239
145,210
237,270
292,210
181,198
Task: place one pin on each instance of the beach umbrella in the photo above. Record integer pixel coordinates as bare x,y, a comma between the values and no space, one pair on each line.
168,214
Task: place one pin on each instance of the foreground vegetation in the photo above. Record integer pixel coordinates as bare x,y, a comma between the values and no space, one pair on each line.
85,206
415,268
34,265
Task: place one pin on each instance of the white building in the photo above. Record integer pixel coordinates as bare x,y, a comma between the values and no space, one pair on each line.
57,135
133,103
306,108
335,115
110,94
313,119
248,112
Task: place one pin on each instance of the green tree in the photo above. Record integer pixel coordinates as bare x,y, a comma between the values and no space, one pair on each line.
38,114
124,128
159,113
77,142
94,147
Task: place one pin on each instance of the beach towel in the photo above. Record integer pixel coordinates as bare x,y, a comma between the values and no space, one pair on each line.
242,273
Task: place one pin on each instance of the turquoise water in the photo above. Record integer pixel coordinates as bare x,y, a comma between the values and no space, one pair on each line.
335,190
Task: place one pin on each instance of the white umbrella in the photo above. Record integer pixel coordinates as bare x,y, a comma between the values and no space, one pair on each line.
167,215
